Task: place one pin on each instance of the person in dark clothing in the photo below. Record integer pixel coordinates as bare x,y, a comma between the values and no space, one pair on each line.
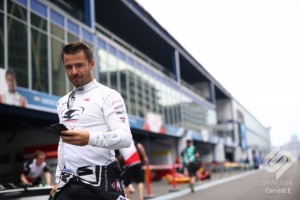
133,159
191,158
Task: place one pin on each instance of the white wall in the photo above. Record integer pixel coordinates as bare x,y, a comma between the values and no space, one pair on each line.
258,136
219,152
224,111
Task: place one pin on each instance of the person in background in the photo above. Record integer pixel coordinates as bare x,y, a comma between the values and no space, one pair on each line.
183,167
192,159
133,159
98,124
33,170
258,161
12,97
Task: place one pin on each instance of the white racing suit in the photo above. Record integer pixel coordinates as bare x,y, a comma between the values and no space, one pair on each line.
101,111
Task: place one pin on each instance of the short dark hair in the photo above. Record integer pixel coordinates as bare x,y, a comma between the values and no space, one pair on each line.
188,142
75,47
10,72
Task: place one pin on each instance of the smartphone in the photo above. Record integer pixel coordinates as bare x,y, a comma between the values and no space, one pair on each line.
58,127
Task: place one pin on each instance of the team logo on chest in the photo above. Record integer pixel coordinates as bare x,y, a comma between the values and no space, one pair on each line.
72,114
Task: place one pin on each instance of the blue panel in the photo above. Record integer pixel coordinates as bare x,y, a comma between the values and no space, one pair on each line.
23,2
57,18
174,130
136,65
87,35
154,75
122,56
87,12
112,50
39,8
39,100
174,67
130,61
101,43
136,122
196,135
72,27
243,136
144,69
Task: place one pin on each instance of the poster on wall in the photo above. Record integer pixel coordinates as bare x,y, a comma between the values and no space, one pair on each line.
154,123
12,94
243,136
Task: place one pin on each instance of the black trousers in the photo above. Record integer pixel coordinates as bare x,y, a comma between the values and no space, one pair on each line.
134,173
193,168
110,187
81,191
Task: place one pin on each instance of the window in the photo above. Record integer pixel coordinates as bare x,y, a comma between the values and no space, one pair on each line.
38,22
39,50
16,10
58,70
74,8
1,40
17,51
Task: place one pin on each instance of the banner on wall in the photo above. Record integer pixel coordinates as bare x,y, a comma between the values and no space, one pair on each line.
243,136
12,94
154,123
140,123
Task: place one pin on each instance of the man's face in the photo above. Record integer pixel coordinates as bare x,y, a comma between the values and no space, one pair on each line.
11,83
40,160
78,69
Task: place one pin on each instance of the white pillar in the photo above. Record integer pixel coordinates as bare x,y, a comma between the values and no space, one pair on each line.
219,152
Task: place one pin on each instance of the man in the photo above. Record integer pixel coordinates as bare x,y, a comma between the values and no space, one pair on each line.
12,97
133,168
33,170
192,160
98,123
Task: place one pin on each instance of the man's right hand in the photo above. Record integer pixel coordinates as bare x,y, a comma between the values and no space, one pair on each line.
77,137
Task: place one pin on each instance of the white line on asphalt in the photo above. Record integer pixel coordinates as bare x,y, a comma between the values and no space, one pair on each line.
203,186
